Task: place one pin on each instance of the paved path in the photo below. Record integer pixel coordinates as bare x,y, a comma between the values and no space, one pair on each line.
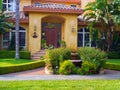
39,74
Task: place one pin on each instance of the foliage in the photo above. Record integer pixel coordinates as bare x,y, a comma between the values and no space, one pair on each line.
113,55
11,54
4,24
92,55
21,67
116,42
87,68
113,64
63,43
107,14
55,56
67,67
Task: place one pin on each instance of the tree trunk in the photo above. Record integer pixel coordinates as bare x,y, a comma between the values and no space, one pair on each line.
17,29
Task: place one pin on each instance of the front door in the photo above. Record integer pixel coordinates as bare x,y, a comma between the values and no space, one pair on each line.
51,37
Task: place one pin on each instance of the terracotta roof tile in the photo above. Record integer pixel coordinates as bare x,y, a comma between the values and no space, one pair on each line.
62,1
52,7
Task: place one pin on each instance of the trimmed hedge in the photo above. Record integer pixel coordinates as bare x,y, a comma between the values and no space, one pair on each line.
112,66
22,67
113,55
11,54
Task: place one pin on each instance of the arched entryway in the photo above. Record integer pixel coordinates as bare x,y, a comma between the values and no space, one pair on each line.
51,31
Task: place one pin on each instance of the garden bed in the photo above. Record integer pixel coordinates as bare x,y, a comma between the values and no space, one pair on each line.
21,67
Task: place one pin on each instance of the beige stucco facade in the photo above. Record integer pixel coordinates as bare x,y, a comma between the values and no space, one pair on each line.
69,23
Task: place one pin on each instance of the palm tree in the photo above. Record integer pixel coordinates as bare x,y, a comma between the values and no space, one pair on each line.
106,13
17,17
4,24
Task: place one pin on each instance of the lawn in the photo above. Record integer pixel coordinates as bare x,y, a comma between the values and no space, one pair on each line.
61,85
113,61
10,62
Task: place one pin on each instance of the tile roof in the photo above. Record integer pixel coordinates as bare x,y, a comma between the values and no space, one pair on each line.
58,1
23,18
52,7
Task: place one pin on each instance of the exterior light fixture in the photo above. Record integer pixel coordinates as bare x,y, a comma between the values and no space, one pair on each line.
72,29
35,34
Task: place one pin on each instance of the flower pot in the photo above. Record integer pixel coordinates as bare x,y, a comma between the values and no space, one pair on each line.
48,71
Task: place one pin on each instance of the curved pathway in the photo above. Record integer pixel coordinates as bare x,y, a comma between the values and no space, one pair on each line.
39,74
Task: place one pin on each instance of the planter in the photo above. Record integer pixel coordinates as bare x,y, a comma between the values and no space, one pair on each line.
48,71
102,71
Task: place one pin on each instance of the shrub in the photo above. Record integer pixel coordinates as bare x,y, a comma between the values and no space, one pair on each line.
112,66
67,67
21,67
93,55
55,56
113,55
87,68
11,54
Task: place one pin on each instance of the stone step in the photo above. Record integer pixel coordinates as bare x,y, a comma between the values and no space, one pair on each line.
37,55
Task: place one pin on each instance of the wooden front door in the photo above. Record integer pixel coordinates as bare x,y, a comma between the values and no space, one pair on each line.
52,37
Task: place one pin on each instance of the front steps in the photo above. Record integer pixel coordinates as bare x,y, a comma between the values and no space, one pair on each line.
37,55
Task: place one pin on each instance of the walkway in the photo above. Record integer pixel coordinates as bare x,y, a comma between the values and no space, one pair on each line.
39,74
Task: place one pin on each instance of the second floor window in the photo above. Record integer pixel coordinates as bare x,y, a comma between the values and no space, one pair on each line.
9,5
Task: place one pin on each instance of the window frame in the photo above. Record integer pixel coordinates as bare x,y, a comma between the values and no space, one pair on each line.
10,37
8,3
83,37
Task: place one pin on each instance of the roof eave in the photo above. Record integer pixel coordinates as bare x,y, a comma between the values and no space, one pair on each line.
67,11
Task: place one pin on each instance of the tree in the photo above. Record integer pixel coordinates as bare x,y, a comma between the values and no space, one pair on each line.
4,24
106,13
17,17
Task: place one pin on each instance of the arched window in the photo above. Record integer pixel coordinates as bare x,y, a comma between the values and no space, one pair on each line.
9,36
83,37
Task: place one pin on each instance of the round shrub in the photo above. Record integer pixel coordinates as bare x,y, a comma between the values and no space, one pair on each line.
93,55
54,57
67,67
87,68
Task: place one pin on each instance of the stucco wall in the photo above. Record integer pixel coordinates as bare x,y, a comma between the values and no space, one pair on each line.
24,3
69,30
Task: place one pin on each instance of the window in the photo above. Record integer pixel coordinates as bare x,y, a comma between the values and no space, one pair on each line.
8,36
83,37
9,5
6,39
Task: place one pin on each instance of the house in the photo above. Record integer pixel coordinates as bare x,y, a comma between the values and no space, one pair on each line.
49,21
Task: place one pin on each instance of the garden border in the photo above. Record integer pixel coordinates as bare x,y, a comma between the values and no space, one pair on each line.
22,67
112,66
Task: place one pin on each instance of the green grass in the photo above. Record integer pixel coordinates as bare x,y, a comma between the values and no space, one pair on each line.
61,85
113,61
113,64
10,62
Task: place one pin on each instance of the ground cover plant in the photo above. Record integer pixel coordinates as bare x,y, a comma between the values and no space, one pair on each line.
61,85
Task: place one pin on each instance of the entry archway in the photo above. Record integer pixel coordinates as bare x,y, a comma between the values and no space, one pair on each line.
51,31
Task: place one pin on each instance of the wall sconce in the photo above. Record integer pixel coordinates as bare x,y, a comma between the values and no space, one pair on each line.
72,29
35,34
